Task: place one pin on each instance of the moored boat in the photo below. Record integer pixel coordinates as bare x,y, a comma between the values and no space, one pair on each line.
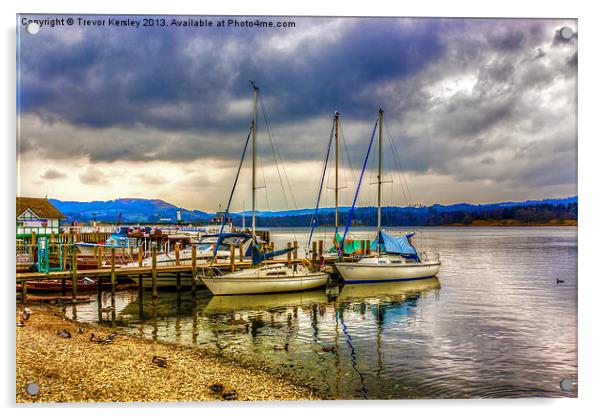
396,258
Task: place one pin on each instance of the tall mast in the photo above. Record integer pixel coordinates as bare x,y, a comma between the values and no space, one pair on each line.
336,170
380,173
243,216
255,89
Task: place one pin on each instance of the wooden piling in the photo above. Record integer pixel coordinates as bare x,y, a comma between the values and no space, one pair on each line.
113,277
288,255
320,248
154,269
232,255
24,290
74,276
295,249
177,251
140,288
363,246
367,243
314,251
240,253
193,252
99,258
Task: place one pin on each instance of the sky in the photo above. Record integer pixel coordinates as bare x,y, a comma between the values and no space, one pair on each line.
475,110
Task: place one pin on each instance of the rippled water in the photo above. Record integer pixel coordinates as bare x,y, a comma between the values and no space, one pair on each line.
495,323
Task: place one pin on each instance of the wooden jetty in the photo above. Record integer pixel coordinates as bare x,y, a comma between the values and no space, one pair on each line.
139,273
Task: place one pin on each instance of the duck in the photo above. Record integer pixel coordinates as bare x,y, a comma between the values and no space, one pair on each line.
64,333
216,388
230,395
160,361
279,347
25,314
80,330
329,348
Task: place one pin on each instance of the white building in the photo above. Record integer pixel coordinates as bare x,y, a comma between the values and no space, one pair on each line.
37,215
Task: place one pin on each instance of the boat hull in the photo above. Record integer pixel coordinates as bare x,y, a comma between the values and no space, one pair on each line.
226,285
374,273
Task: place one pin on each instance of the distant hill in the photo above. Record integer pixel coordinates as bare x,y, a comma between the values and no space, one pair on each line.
133,210
139,210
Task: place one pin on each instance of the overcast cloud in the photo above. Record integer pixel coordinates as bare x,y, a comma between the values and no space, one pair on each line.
479,110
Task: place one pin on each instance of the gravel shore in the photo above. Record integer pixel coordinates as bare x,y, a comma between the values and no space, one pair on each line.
78,369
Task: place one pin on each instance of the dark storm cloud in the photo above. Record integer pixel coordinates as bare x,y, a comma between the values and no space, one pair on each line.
462,97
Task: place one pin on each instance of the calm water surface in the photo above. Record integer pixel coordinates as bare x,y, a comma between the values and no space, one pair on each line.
495,323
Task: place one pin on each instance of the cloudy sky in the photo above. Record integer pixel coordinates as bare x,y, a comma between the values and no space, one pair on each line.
477,110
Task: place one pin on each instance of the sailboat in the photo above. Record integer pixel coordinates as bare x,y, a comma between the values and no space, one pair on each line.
349,246
272,278
396,258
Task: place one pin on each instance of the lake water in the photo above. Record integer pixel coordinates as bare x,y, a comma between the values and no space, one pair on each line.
495,323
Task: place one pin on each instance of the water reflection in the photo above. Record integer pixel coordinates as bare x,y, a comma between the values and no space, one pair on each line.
495,324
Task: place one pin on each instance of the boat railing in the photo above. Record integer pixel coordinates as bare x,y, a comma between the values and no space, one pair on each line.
427,256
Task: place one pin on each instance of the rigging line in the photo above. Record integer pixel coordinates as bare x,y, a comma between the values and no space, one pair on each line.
398,168
265,184
350,165
277,157
397,160
225,216
350,213
276,150
314,216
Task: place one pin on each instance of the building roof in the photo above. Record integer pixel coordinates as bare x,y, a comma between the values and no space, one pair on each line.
40,206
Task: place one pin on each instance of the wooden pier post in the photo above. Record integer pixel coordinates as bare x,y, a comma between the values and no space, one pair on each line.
74,275
241,256
140,288
113,277
154,269
24,290
288,255
178,276
320,248
363,246
99,258
193,270
295,249
232,255
314,251
367,242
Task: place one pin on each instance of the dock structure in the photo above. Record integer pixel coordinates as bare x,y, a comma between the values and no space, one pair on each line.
137,274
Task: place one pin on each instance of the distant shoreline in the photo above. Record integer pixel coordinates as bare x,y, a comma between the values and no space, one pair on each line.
514,223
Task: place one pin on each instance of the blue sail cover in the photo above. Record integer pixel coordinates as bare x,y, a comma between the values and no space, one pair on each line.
395,245
258,256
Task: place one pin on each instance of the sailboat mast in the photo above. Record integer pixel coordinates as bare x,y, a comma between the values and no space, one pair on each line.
254,157
380,173
243,215
336,170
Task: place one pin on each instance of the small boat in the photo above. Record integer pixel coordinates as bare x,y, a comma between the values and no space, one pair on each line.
274,278
396,258
86,284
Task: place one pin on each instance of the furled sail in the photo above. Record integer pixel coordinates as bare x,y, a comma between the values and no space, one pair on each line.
395,245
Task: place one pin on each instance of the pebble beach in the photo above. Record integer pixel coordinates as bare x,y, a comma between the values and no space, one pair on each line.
68,364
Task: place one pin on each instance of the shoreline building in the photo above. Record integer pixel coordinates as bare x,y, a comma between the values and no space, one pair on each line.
39,216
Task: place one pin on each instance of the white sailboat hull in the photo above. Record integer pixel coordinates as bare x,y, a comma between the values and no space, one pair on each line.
373,272
263,280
